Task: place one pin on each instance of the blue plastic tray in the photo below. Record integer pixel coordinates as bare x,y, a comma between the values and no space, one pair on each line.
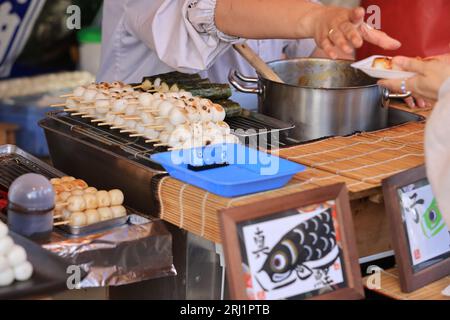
249,170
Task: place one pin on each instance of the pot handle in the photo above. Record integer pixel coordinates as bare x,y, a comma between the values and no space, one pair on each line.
387,96
234,77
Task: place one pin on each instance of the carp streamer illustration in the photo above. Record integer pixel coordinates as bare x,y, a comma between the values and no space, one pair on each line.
308,249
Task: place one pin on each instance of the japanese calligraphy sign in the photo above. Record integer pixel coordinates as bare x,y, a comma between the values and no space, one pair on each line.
293,247
420,237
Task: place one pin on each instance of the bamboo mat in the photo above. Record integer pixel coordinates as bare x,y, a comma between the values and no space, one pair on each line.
195,209
366,157
390,287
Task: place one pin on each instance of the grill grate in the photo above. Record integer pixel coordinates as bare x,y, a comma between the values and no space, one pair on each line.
13,166
136,147
139,149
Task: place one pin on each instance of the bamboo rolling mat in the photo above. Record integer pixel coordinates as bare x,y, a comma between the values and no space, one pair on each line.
195,209
366,157
390,287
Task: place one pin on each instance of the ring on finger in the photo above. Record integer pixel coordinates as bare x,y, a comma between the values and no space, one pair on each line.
330,33
403,87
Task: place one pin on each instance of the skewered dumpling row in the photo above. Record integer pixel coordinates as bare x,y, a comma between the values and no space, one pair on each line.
81,205
157,117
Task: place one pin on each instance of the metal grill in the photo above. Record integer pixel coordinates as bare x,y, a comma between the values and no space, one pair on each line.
13,166
264,127
136,147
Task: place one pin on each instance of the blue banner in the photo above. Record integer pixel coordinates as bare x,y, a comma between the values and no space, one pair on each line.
17,18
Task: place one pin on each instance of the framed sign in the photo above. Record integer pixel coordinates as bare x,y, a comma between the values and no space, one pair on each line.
420,237
300,246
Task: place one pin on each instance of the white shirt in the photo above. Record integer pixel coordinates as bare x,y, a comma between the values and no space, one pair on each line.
143,37
437,150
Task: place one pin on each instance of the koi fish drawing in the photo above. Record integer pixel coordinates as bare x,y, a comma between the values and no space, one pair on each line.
309,247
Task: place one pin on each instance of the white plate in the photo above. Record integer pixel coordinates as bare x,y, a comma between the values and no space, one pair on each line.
366,66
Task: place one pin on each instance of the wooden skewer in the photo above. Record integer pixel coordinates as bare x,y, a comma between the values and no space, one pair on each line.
131,118
71,109
69,95
127,131
57,105
98,120
156,127
158,118
118,127
79,114
147,109
57,217
105,124
152,141
61,223
137,135
161,145
87,108
88,116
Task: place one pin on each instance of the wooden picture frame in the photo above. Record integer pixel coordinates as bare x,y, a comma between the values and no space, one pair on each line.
410,279
270,210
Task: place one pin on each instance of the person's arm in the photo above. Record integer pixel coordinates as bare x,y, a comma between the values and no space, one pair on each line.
333,28
437,150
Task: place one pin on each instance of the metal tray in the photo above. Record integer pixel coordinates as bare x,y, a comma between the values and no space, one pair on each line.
94,228
49,275
15,162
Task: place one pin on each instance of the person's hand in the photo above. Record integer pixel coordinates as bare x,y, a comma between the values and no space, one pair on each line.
344,29
431,74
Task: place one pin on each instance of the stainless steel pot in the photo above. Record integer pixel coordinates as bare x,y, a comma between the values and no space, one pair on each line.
321,97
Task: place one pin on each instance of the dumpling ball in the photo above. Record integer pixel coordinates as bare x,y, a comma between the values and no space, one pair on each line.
92,216
91,201
118,211
77,192
6,244
80,184
116,197
3,264
3,230
91,190
103,199
76,203
78,219
16,256
105,214
55,181
6,277
23,272
63,196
